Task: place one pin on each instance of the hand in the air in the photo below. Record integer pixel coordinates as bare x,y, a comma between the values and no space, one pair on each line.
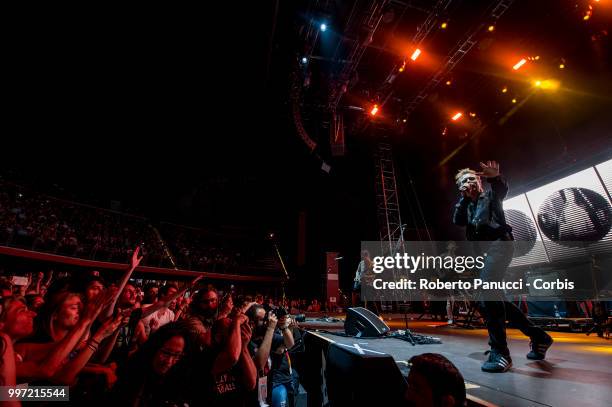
490,169
136,259
109,327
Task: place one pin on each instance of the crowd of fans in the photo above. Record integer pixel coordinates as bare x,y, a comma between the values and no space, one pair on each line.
122,342
164,345
171,344
38,222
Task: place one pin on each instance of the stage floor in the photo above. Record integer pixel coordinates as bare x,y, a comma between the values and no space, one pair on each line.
577,371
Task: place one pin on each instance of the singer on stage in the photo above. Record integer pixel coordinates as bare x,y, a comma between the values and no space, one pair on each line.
364,271
481,213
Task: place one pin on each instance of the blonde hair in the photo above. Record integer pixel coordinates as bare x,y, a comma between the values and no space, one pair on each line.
462,172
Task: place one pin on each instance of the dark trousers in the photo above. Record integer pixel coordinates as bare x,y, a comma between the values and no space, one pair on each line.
496,313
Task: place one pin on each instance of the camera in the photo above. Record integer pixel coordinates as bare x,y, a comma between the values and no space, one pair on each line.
280,312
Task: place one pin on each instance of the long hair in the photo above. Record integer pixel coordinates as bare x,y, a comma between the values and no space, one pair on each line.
137,370
5,303
44,318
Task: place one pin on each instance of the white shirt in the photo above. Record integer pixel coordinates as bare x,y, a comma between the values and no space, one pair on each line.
157,319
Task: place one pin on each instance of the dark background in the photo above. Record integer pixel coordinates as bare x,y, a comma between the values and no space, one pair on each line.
183,115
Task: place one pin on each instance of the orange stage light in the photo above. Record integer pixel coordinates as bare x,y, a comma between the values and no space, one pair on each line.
519,64
457,116
374,110
415,54
491,28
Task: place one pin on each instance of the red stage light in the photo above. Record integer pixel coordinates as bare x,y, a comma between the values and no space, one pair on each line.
374,110
415,54
457,116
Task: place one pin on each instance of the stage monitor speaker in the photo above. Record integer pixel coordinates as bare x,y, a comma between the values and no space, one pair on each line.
357,378
362,322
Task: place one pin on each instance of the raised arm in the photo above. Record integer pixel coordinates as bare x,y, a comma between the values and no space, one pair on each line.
230,354
263,352
490,170
67,374
49,365
249,371
135,261
287,334
160,304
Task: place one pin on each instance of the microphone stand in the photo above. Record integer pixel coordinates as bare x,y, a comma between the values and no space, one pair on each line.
284,269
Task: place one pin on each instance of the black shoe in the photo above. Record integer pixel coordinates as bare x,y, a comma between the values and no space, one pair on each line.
539,348
497,362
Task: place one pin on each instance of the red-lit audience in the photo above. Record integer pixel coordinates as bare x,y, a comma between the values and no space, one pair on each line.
174,344
34,221
178,344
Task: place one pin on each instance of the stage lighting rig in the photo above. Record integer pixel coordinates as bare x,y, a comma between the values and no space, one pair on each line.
463,47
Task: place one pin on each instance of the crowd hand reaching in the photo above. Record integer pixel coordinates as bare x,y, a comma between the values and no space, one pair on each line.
196,280
136,258
490,169
97,304
109,327
112,291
